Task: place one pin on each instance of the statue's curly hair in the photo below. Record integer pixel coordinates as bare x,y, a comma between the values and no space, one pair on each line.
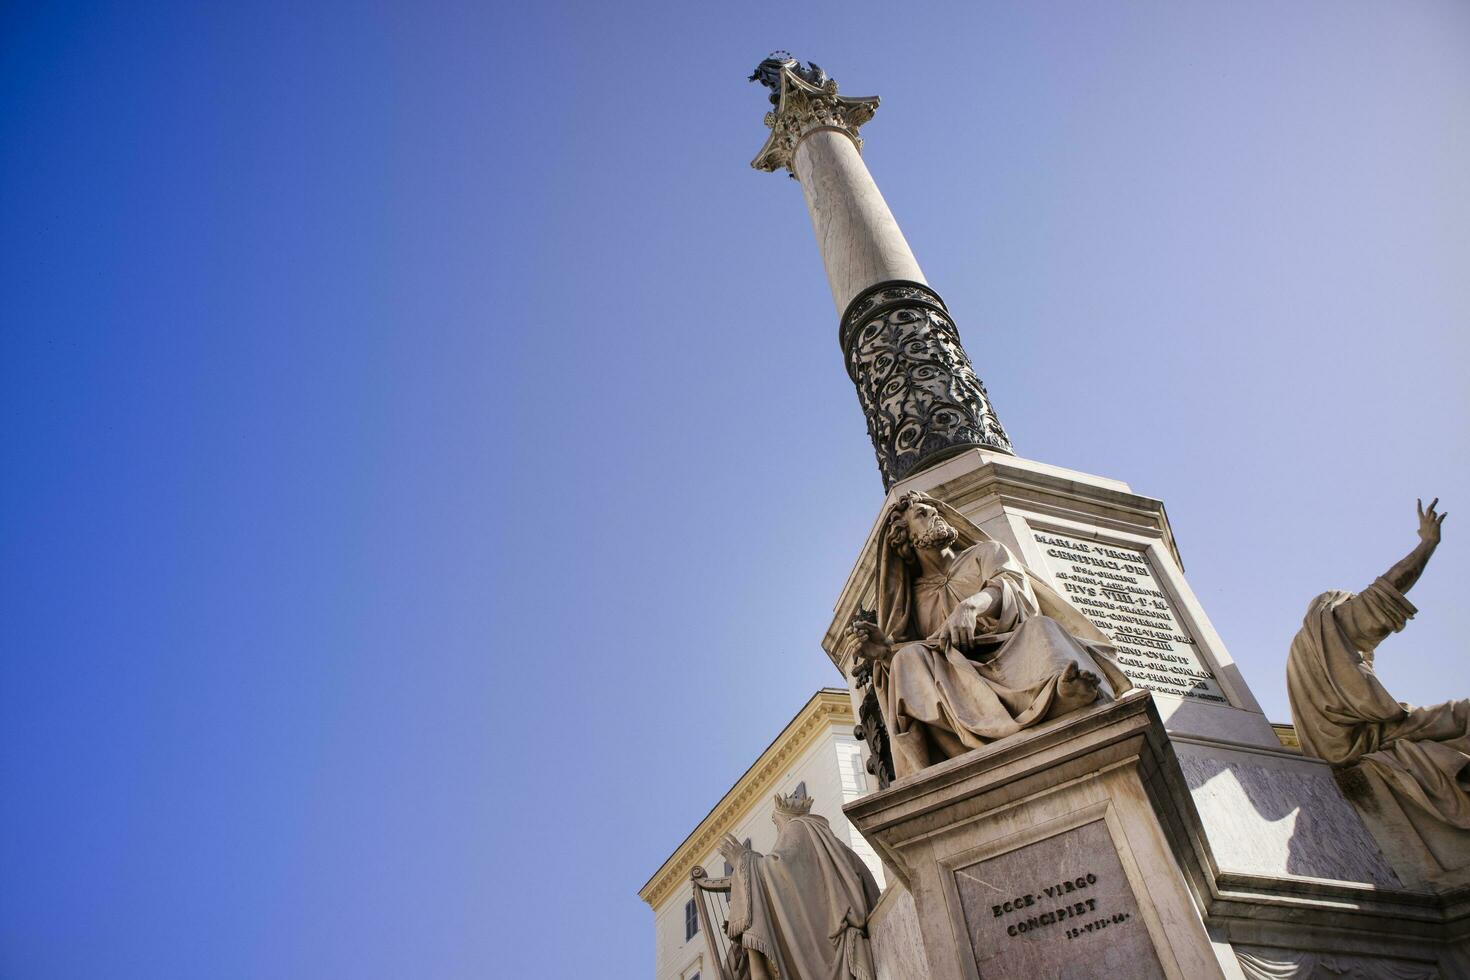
898,528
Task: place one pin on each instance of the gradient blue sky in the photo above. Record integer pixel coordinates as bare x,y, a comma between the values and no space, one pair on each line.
428,466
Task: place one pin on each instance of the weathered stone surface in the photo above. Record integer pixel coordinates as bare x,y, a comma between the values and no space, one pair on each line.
1057,907
1280,816
1426,852
859,238
898,946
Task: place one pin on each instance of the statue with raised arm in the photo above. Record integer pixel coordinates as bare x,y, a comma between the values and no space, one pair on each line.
801,911
1343,713
968,645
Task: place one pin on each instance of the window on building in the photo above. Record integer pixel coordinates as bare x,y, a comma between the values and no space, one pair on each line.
691,920
853,779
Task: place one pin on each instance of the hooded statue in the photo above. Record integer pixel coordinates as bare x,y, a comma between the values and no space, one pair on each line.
1342,712
801,911
969,645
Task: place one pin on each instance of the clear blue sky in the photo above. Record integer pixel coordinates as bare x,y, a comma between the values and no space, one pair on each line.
428,466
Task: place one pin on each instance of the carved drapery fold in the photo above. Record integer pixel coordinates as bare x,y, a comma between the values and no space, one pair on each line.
1269,963
922,399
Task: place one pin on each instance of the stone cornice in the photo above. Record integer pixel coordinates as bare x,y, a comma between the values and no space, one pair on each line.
803,109
1287,735
826,707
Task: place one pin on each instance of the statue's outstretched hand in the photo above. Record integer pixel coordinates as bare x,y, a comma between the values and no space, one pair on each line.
1429,522
1406,571
731,849
872,643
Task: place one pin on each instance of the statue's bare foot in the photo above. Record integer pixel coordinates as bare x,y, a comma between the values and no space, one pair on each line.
1075,689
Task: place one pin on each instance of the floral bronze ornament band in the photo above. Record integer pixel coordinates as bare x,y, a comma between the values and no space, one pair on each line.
922,399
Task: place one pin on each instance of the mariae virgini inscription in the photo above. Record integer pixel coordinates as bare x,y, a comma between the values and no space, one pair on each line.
1115,586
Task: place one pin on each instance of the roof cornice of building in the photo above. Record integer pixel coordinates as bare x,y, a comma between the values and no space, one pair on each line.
828,706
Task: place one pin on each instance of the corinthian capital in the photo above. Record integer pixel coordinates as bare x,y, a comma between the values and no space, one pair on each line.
806,101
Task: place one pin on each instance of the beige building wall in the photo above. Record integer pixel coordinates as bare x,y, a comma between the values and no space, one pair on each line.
816,748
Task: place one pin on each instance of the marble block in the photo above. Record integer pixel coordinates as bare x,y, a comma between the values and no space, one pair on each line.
1088,918
893,931
1279,814
1049,853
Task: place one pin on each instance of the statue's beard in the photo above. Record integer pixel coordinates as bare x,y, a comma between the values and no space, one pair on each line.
938,535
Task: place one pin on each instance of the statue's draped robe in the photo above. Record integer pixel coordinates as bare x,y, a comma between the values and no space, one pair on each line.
801,911
1343,714
940,701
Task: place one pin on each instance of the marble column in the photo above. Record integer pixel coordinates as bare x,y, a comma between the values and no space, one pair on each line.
861,243
921,397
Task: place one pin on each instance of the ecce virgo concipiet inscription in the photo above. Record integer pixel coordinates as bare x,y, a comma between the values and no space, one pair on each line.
1061,907
1041,915
1115,587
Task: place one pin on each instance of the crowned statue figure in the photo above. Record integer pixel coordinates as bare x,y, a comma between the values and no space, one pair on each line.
801,911
1343,713
969,645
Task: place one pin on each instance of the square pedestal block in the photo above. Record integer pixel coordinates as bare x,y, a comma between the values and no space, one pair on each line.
1049,854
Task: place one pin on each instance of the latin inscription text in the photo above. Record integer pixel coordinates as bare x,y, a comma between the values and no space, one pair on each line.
1116,588
1036,910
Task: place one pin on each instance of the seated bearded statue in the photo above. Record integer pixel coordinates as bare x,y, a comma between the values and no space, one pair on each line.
969,646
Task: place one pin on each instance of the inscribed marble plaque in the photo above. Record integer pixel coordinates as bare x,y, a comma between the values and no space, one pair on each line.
1061,907
1115,587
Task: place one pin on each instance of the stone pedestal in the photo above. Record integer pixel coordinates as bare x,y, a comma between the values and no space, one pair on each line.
893,929
1049,854
1230,853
